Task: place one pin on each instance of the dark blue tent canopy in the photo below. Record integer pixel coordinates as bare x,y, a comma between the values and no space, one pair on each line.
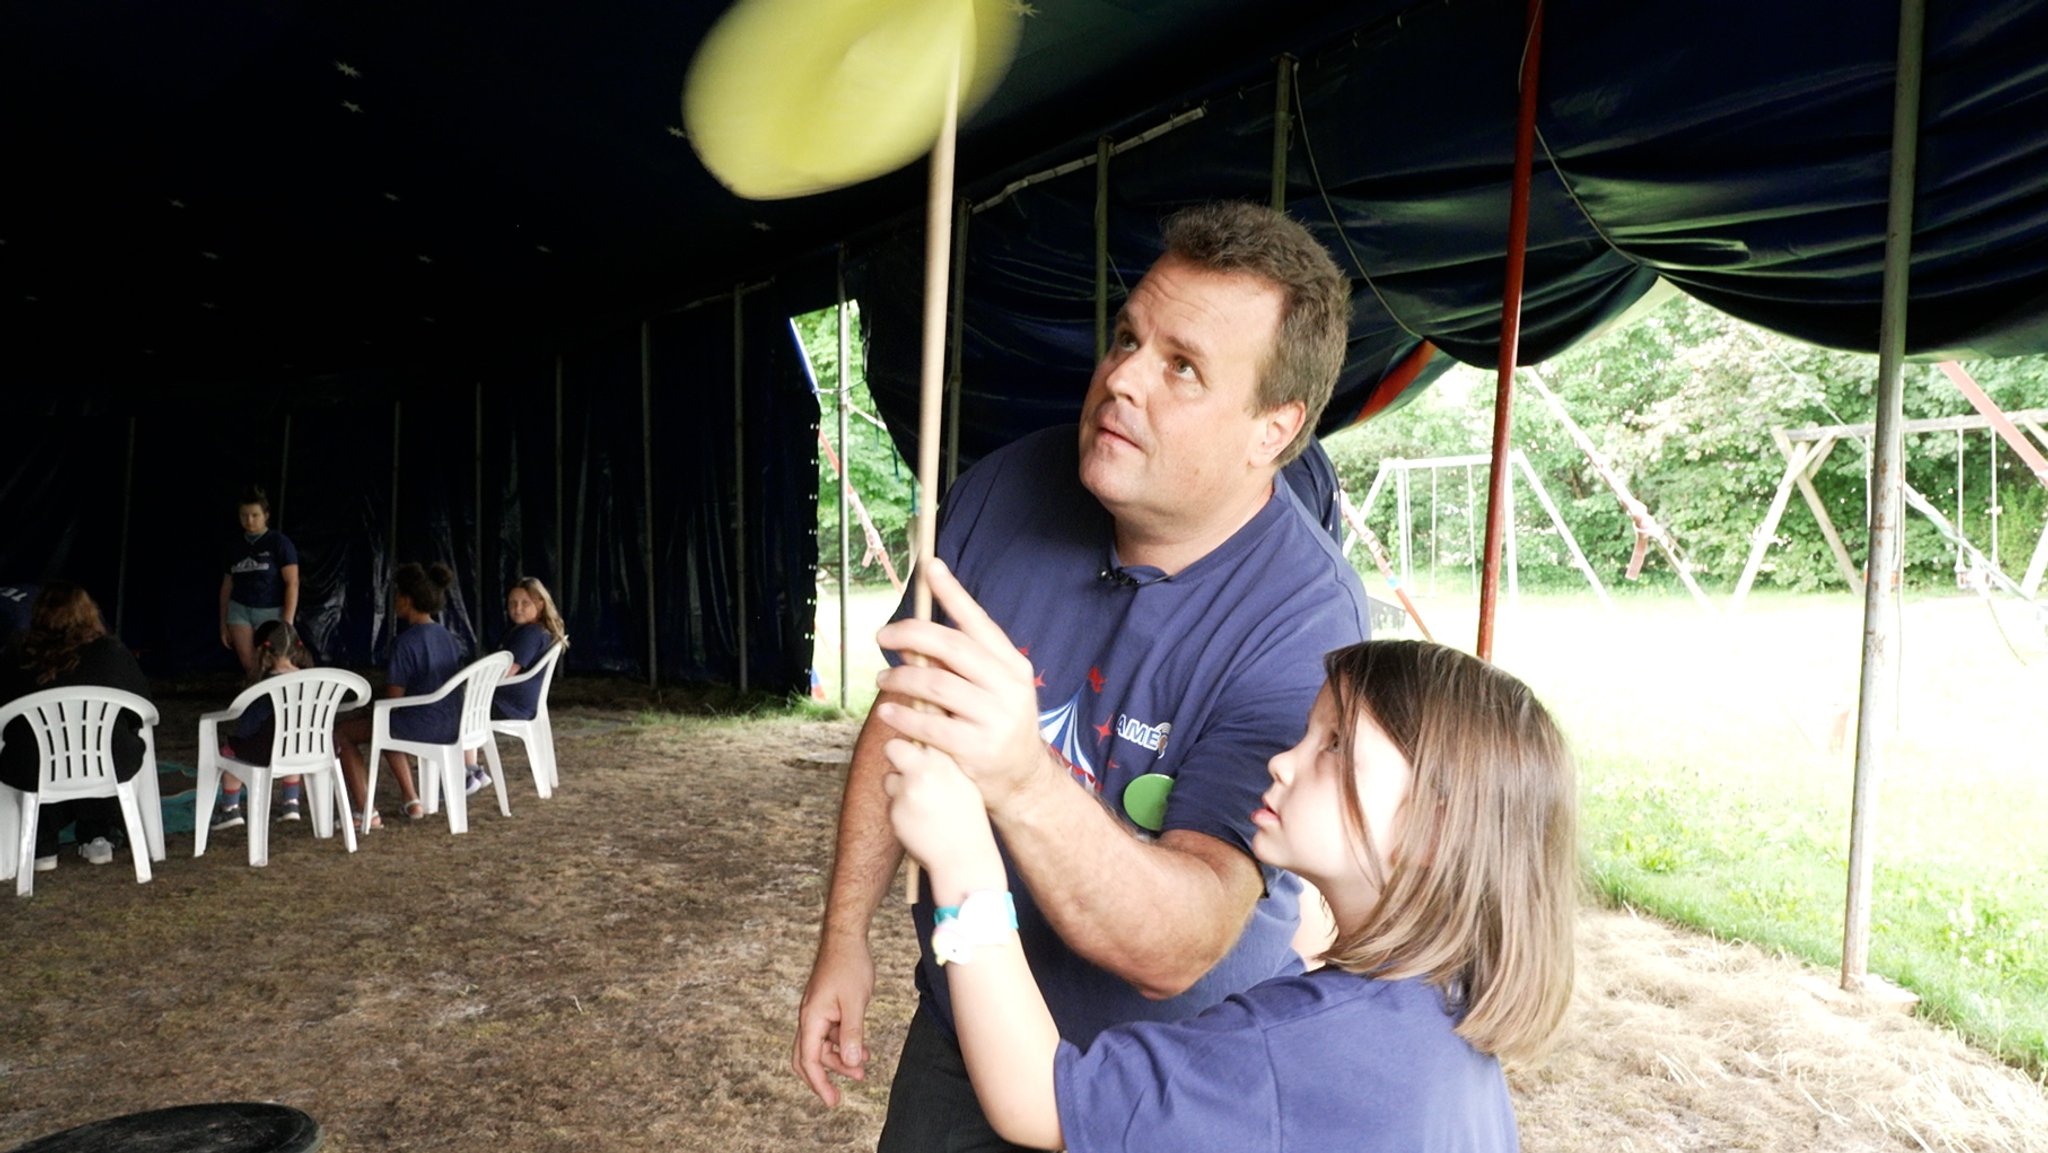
351,251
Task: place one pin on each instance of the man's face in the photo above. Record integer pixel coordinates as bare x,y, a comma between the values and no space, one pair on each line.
1169,441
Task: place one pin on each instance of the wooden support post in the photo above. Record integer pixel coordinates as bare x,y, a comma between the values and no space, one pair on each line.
391,554
1283,128
1760,541
561,559
647,499
284,475
1804,479
476,536
1103,151
957,341
127,506
739,482
845,483
1563,530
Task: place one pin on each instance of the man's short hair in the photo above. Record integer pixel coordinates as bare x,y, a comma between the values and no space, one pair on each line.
1315,317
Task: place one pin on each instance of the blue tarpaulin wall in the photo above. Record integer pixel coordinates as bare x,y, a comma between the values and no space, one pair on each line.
329,468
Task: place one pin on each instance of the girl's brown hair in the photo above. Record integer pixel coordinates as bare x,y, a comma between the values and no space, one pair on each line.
277,642
63,620
1481,894
550,617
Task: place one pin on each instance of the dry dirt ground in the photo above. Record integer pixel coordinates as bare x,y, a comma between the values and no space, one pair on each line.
618,968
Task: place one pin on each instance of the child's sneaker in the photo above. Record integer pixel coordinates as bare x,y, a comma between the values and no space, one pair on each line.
476,781
98,851
288,810
228,818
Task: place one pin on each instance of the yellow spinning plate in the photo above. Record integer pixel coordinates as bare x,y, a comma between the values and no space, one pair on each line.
791,97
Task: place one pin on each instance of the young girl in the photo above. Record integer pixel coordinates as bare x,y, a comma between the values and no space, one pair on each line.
1432,803
422,659
278,650
261,582
536,627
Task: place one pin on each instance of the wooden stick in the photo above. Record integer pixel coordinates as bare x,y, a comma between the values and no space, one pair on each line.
938,244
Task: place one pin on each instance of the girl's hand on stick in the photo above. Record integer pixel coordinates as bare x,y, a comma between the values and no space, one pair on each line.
937,815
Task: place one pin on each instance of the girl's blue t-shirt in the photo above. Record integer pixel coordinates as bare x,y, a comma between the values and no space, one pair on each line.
256,568
1326,1060
527,644
422,660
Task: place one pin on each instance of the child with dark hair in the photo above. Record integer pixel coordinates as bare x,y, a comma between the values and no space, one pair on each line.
536,628
67,645
1431,802
423,658
261,582
278,650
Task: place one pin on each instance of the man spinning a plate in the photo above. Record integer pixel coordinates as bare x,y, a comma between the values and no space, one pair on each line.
1167,601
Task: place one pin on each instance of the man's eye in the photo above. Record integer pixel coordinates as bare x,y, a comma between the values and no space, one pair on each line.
1126,341
1182,369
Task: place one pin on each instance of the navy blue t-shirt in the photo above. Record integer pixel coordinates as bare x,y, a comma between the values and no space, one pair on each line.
1328,1060
527,644
1202,677
422,660
256,568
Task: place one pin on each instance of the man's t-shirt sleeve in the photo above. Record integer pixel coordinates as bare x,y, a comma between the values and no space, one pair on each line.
287,552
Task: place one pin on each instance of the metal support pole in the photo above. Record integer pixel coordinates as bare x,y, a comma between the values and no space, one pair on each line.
1498,479
476,535
1283,128
391,528
1102,154
957,338
1887,509
1404,520
561,560
845,484
739,479
647,498
127,506
284,475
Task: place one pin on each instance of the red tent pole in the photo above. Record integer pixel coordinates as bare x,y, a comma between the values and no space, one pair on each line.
1510,331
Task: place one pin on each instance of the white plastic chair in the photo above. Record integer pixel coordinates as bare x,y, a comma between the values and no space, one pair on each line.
303,705
441,765
537,735
74,735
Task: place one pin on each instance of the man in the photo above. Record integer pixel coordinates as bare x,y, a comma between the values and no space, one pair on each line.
1169,602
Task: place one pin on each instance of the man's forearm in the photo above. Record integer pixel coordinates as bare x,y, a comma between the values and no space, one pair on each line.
867,853
1065,844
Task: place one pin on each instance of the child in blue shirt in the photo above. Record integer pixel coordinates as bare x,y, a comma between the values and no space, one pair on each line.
260,580
423,658
1432,804
536,627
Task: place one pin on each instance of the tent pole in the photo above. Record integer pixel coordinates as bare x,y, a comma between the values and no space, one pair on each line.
845,482
1404,520
561,584
284,473
476,535
127,505
1103,151
647,495
1283,127
391,529
1875,702
739,477
1498,478
954,383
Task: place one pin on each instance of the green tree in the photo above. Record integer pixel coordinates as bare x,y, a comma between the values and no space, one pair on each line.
1682,401
880,478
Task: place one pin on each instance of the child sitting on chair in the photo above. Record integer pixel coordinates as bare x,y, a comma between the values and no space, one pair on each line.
423,658
1432,803
278,650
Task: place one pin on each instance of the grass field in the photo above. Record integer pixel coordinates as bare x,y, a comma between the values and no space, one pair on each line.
1714,792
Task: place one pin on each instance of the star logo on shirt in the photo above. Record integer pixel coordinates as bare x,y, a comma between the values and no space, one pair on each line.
1095,679
1038,682
1102,730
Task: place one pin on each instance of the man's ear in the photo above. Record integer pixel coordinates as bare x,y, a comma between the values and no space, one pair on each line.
1276,430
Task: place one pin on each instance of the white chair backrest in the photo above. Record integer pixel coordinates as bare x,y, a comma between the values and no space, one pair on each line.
74,735
544,668
302,709
484,676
